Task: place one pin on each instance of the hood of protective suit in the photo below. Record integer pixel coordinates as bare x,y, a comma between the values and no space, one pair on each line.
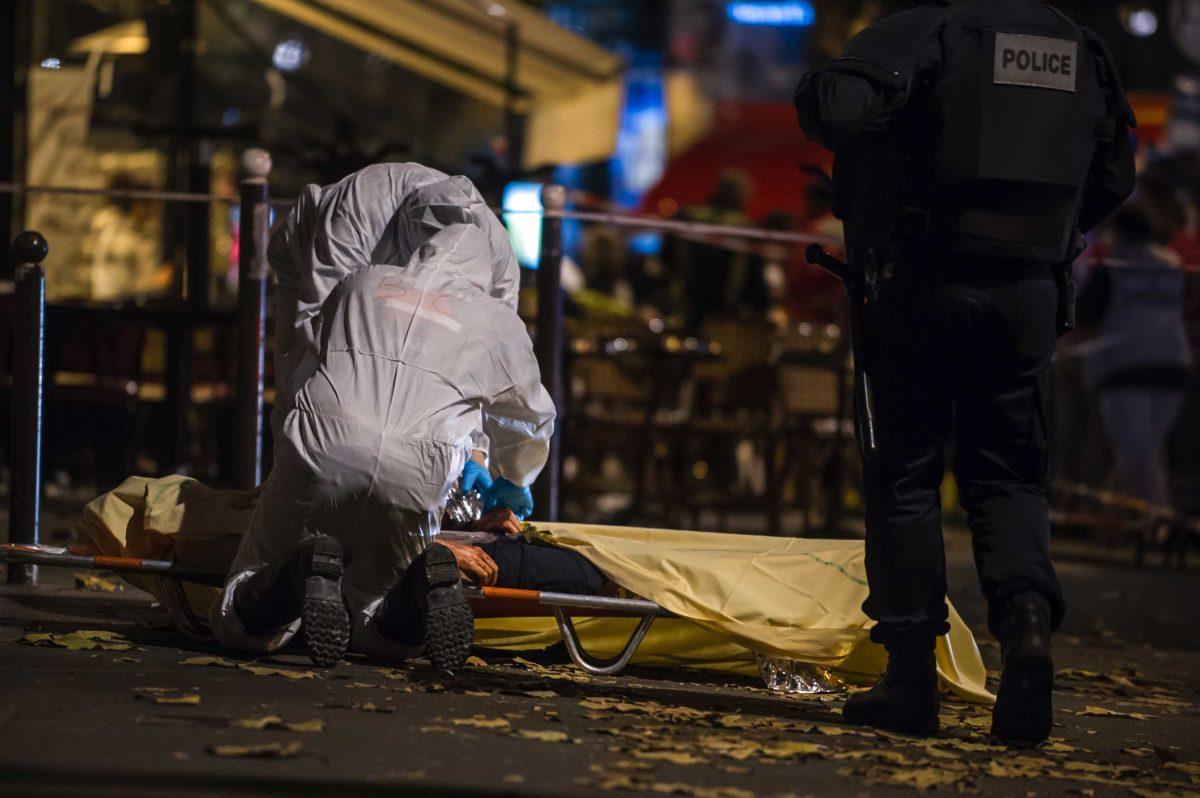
454,202
382,215
458,253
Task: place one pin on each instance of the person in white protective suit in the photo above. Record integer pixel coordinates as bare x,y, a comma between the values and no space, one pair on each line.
406,370
378,215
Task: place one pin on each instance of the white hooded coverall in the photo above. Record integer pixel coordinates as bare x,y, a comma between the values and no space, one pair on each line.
414,365
379,215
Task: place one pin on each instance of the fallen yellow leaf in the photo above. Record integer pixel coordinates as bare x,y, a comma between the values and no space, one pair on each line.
793,748
1102,712
218,662
80,640
97,583
674,757
264,670
276,722
257,751
482,723
190,699
542,736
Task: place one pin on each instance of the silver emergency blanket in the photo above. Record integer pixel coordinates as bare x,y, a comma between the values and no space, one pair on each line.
415,362
379,215
463,507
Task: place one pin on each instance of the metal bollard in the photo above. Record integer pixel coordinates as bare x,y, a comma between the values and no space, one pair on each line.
28,370
549,344
254,232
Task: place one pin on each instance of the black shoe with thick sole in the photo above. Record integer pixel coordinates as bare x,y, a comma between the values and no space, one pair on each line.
325,623
1024,710
449,624
904,700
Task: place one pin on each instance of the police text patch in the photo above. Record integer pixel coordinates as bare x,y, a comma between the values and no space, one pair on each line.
1023,60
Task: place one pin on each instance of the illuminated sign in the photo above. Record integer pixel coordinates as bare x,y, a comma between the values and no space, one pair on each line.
522,203
784,14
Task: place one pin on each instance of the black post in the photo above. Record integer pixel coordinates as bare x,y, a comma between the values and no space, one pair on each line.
172,29
197,230
254,231
514,132
11,103
28,367
549,343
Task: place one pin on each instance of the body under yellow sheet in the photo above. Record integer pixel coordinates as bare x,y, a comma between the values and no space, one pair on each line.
734,594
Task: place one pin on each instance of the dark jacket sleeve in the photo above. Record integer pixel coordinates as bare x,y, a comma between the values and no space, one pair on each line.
838,106
880,73
1113,173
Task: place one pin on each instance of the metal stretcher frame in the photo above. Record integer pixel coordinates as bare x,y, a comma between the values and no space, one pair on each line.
486,602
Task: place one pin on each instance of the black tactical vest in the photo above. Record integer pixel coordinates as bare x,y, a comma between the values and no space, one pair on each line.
998,147
1018,110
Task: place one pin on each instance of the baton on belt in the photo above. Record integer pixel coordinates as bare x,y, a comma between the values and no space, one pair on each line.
855,284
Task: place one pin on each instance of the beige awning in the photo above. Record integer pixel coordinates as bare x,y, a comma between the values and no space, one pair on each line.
570,87
124,38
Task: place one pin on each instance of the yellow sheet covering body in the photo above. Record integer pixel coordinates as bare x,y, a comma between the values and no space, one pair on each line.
735,594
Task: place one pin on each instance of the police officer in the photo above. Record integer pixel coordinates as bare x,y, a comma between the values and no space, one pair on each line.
974,140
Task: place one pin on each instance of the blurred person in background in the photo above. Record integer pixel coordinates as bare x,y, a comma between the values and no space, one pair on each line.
1138,360
776,261
814,295
1161,200
796,290
123,247
818,218
605,289
1184,236
718,281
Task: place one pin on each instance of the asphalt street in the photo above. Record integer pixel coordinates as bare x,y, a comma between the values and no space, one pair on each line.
126,706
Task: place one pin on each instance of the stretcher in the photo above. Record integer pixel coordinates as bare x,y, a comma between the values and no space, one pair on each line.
486,602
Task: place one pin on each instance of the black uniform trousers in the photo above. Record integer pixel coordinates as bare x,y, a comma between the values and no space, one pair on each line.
960,349
539,566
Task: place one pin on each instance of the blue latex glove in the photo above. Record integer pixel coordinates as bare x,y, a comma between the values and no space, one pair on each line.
513,497
475,477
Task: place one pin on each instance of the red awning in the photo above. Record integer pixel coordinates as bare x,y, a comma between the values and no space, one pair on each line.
762,140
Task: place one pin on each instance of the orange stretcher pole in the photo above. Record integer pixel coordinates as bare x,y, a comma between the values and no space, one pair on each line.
486,602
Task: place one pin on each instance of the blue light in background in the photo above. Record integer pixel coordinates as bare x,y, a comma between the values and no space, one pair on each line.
787,13
641,154
647,243
524,228
571,176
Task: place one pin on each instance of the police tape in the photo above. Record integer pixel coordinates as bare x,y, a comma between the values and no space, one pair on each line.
115,193
683,226
724,236
148,195
1126,263
1120,501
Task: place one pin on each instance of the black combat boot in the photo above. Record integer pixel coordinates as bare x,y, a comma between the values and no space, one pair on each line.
1023,711
325,622
905,699
306,584
429,606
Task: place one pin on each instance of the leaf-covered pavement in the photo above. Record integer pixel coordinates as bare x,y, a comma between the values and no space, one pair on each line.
87,693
